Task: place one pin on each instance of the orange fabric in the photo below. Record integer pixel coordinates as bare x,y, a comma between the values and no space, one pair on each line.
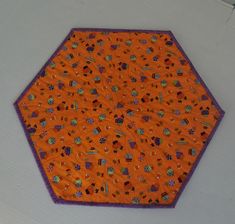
118,117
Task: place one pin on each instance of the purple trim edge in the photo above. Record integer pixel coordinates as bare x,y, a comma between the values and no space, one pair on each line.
217,106
46,181
45,178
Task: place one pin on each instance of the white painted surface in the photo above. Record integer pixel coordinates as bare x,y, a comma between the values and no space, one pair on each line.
30,31
231,2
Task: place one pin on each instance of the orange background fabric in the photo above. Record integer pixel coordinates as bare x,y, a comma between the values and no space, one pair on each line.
118,117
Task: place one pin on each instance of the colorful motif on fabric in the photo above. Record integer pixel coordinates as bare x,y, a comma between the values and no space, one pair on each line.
118,117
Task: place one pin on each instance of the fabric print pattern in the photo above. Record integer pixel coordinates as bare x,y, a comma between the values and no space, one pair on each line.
118,117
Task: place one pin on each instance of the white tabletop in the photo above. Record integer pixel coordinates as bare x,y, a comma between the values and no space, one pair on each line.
30,30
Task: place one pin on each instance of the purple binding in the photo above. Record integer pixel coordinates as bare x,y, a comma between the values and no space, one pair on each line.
47,183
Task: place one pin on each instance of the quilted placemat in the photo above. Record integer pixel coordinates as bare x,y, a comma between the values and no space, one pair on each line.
118,117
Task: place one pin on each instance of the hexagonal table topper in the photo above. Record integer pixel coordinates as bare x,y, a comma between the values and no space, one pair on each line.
118,117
